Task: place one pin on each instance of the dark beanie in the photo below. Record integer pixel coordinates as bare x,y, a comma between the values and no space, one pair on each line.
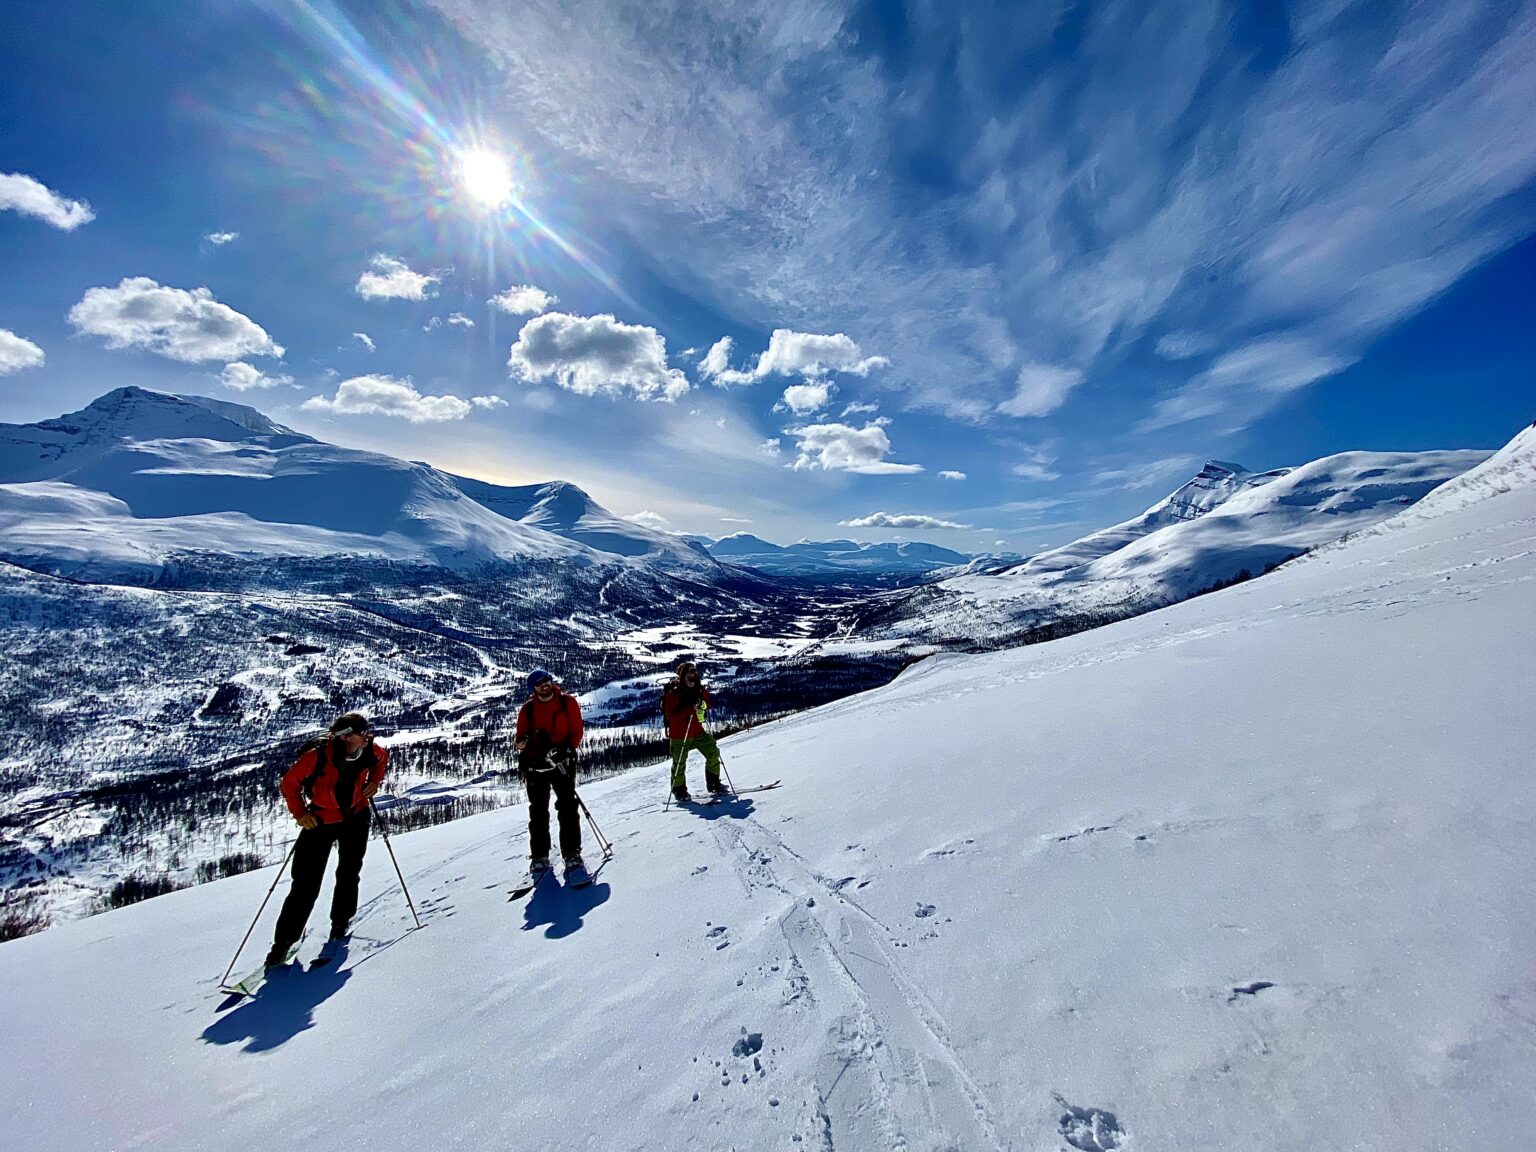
353,723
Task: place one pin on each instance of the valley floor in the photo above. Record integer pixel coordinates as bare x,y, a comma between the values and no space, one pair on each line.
1253,872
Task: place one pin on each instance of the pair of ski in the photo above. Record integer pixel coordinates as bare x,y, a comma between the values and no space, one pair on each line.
576,878
721,797
330,952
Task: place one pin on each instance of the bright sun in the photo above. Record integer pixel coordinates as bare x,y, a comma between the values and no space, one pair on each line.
486,177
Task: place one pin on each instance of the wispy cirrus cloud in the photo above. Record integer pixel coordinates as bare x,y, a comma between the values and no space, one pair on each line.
189,326
390,278
1316,179
590,355
17,353
31,197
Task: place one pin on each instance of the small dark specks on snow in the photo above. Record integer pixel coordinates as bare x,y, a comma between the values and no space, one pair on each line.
717,930
700,870
773,1101
924,911
1252,989
695,1097
750,1044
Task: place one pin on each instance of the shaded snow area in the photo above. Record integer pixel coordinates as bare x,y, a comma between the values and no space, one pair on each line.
1253,872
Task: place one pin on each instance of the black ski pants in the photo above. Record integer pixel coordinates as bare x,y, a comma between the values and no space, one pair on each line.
310,854
563,785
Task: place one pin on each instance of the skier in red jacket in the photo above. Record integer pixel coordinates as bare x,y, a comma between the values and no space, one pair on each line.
548,732
327,790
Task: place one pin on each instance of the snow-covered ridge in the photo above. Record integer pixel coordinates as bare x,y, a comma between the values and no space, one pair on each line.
832,558
139,477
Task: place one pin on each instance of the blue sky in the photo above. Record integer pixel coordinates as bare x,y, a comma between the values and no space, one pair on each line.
1006,272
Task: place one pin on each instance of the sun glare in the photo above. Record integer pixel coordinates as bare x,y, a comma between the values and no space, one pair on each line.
486,177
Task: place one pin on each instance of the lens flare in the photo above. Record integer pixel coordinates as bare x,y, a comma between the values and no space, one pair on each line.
486,177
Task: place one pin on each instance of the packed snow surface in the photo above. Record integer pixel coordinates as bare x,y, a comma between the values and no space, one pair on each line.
1253,872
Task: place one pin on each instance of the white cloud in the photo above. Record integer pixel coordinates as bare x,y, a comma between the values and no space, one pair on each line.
734,520
247,378
191,327
771,447
488,402
1244,382
388,396
859,408
365,340
1040,390
458,319
523,300
1037,464
392,279
791,353
649,519
31,198
803,399
1148,474
219,239
1183,345
901,520
596,354
842,448
951,474
17,352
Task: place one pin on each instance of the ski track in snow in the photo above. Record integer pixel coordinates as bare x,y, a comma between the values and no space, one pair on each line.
890,1073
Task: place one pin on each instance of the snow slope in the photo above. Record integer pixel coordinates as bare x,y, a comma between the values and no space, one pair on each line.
1253,872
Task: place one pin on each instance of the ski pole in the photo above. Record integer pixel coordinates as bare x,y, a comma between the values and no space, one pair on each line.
602,841
246,938
385,830
731,783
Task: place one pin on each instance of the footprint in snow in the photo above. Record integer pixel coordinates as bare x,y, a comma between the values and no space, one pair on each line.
750,1044
924,911
1089,1129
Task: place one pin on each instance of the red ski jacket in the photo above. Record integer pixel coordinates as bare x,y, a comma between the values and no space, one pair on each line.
560,719
311,785
682,723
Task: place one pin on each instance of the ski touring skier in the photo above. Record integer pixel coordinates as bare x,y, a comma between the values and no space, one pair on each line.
684,703
548,732
328,790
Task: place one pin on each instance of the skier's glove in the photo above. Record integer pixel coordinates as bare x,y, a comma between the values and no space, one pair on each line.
564,759
702,708
370,791
307,821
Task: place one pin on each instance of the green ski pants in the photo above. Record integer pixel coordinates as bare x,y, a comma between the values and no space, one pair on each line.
705,744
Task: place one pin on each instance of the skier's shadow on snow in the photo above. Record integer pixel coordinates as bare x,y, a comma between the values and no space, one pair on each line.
283,1007
731,808
559,910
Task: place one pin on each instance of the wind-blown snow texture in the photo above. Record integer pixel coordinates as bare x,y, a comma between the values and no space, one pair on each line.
1251,872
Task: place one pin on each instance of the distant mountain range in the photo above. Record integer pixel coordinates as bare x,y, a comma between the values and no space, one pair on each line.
831,559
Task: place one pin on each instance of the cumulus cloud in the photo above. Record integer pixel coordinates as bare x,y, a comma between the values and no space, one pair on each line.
901,520
390,278
376,395
1040,390
596,354
487,401
791,353
803,399
459,320
649,519
243,377
523,300
191,327
32,198
219,239
17,352
365,340
951,474
843,448
771,447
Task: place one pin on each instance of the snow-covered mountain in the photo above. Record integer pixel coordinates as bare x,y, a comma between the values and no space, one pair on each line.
834,559
1251,872
138,479
1224,526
